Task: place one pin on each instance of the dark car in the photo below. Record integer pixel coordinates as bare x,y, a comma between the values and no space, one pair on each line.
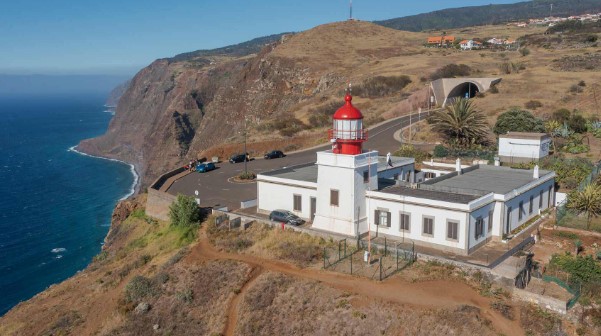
205,167
239,158
274,154
285,216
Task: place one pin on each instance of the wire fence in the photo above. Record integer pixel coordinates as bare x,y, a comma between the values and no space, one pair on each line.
570,218
384,259
568,283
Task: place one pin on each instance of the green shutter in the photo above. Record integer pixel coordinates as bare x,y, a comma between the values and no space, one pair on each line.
377,217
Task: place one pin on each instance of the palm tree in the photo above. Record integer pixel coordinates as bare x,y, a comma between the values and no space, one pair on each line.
462,122
586,201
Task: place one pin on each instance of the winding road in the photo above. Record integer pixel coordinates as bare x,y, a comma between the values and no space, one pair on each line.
215,189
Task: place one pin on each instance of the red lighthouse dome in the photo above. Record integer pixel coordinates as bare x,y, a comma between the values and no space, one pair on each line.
347,134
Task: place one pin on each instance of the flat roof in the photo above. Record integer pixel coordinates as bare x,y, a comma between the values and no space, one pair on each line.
430,194
524,135
306,172
499,180
397,161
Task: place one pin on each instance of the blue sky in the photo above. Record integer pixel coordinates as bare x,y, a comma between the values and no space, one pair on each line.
121,36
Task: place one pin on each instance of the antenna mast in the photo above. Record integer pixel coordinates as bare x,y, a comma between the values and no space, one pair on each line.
350,10
551,12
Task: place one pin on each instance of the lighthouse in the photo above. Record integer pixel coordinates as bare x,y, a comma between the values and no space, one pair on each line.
344,173
347,134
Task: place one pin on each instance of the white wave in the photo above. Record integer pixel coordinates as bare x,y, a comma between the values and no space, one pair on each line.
132,169
58,250
58,256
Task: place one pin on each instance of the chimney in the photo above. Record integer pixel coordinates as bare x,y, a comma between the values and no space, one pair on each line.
458,166
536,174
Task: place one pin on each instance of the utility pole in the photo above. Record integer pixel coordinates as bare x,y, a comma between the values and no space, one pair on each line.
245,152
551,11
350,17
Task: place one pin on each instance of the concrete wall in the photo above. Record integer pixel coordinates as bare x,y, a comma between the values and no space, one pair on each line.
482,212
158,203
513,150
547,302
525,198
272,196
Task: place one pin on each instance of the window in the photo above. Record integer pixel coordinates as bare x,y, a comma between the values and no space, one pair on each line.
366,176
382,217
428,228
531,205
452,230
395,177
429,175
334,197
490,213
540,200
405,222
479,228
520,211
298,205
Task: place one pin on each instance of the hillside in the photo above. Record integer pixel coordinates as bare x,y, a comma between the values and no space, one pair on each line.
491,14
177,110
151,278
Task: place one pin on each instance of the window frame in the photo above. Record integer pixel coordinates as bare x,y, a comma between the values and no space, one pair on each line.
408,223
424,218
366,176
334,195
490,220
479,226
298,197
521,211
456,224
540,199
531,205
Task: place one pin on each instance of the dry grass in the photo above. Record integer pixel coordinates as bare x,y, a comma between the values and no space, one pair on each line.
280,305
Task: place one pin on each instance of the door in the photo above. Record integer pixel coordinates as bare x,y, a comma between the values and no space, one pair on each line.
312,208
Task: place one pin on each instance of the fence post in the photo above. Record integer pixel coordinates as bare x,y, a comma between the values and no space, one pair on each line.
385,247
324,258
397,257
339,250
351,264
345,248
380,268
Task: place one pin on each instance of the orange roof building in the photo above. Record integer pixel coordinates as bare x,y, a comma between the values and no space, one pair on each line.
439,39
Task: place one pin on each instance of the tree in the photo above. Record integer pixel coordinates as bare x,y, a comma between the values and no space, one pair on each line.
517,120
184,212
586,201
461,122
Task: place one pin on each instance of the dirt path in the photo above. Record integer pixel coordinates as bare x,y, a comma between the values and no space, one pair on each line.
232,311
423,295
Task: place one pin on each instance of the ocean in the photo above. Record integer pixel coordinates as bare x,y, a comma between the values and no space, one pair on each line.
55,203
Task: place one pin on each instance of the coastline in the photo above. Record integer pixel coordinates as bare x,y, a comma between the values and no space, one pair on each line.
132,168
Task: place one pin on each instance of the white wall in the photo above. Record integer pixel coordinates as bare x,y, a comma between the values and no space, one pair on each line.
525,198
417,212
272,196
400,171
524,148
482,212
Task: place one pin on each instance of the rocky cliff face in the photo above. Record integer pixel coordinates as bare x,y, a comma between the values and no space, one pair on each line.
175,108
115,94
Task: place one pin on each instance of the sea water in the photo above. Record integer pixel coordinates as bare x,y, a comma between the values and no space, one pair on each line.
55,203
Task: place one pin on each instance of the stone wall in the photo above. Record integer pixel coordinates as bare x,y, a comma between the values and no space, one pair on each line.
543,301
158,203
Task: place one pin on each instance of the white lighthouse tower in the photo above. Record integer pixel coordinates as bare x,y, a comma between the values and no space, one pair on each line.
344,174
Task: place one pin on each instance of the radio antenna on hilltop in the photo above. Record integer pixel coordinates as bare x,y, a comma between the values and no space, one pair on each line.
350,10
551,12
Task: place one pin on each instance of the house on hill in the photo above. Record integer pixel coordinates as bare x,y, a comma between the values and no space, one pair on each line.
470,44
440,40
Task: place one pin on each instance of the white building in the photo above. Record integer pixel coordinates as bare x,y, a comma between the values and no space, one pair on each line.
349,192
523,147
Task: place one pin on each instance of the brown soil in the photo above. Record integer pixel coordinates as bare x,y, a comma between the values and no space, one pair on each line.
423,295
232,312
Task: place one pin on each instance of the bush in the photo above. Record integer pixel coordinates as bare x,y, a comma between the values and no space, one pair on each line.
577,123
381,86
525,51
247,175
411,151
322,115
516,120
184,212
561,115
569,171
451,71
138,288
493,89
576,89
440,151
533,104
582,83
582,268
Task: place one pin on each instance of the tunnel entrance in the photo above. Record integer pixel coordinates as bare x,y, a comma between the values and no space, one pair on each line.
464,90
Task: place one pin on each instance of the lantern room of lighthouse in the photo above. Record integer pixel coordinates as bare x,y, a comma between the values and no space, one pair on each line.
344,174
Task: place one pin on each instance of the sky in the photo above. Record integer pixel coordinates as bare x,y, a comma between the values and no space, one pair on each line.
121,36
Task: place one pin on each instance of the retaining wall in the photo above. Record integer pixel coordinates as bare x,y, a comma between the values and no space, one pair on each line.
158,203
542,301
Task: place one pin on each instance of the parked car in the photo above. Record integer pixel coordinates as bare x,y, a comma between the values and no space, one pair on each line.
285,216
274,154
205,167
239,158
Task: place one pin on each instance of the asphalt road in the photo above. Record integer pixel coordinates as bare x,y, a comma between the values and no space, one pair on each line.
216,190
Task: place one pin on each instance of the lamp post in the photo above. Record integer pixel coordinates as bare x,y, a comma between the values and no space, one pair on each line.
245,153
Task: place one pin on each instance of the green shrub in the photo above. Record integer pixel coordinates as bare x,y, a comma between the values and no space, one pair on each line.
184,212
569,171
525,51
248,175
517,120
440,151
582,268
411,151
138,288
493,89
564,234
186,295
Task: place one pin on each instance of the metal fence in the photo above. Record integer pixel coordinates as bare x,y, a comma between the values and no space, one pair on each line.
383,260
569,284
570,218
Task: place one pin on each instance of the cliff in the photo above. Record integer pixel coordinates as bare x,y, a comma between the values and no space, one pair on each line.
113,98
176,108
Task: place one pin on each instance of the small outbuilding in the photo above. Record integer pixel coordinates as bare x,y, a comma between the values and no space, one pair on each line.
520,147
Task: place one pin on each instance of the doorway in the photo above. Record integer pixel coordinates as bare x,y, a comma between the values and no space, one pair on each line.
312,208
